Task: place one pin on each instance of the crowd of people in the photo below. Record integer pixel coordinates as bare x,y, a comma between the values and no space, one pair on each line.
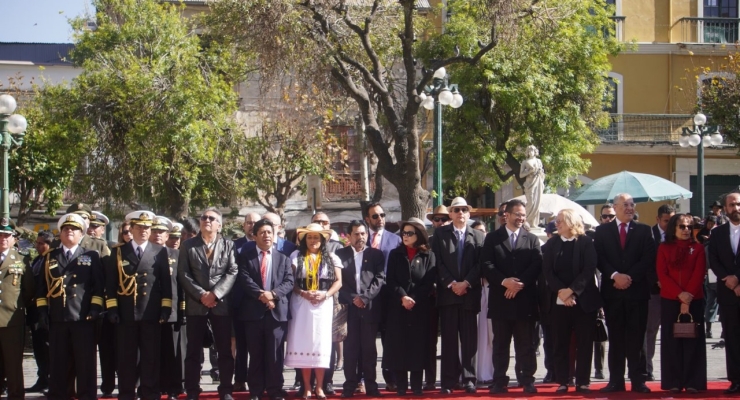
149,304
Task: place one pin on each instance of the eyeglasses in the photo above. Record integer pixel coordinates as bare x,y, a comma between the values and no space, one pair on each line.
321,222
376,216
460,210
684,227
126,232
501,213
438,219
408,233
519,215
628,205
608,216
205,218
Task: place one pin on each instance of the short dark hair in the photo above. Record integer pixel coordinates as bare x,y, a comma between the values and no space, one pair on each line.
727,196
259,224
670,230
513,203
605,206
477,223
46,236
190,225
666,209
368,207
353,224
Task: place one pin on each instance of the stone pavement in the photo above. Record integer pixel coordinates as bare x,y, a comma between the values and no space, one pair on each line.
715,367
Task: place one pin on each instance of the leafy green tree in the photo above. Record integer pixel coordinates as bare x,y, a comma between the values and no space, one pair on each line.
158,107
545,87
368,52
720,96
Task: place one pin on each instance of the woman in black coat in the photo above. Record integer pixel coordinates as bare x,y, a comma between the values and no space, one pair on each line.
410,279
569,264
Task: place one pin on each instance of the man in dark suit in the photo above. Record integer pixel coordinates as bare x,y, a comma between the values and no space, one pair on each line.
207,271
266,279
626,258
724,260
39,337
139,300
665,212
69,299
247,226
456,248
362,277
511,260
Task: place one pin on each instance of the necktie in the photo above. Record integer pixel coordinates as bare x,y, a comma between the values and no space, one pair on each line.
460,246
512,241
263,269
622,234
68,255
138,252
376,241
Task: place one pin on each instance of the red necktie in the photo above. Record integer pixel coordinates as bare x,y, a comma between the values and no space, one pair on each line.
376,241
263,268
622,234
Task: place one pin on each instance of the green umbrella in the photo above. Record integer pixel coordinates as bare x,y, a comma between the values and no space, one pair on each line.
642,188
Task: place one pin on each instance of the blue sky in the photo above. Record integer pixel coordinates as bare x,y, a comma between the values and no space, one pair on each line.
40,21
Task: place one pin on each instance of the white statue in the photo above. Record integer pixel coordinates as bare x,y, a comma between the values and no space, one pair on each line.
534,185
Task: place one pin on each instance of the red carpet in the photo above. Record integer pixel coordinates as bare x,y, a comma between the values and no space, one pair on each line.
546,391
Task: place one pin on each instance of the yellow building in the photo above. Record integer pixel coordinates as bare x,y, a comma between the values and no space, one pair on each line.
657,83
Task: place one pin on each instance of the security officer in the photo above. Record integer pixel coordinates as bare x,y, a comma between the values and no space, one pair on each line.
171,353
16,291
139,301
70,295
88,242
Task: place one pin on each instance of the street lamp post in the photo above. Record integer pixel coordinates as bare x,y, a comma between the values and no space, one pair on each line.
12,129
695,137
437,95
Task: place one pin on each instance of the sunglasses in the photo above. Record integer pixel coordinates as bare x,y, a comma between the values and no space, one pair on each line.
460,209
321,222
684,227
438,219
208,218
376,216
126,232
408,233
500,213
608,216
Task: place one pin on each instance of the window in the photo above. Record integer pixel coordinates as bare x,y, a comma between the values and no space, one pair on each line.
720,24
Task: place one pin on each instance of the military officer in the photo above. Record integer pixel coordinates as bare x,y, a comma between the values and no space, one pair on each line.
16,291
173,241
69,298
139,301
96,228
170,352
88,242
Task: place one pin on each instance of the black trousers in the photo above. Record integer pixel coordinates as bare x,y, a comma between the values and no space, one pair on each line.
430,372
522,331
566,322
107,355
138,340
729,316
548,344
40,343
402,379
458,326
11,354
196,331
72,342
683,362
626,320
599,353
360,345
242,355
266,346
170,370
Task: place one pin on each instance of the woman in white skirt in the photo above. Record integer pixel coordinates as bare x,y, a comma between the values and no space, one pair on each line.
317,278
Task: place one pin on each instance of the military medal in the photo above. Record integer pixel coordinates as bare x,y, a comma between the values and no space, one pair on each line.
84,260
16,269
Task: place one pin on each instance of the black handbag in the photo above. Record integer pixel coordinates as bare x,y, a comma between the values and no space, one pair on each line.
600,334
684,330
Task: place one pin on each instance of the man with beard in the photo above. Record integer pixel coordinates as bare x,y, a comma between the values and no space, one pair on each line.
724,260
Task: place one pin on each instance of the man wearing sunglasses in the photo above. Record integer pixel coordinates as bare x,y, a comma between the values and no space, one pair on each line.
456,247
439,217
626,258
607,214
207,271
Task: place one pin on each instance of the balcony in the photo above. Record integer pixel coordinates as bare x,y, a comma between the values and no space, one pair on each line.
645,128
619,27
709,30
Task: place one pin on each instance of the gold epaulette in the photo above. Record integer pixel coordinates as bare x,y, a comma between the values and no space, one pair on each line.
97,300
110,303
55,285
41,302
166,302
182,305
127,285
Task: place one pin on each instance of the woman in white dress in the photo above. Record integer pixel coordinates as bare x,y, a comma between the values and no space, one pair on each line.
317,278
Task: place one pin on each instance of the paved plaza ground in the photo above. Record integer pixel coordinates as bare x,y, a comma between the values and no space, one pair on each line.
715,366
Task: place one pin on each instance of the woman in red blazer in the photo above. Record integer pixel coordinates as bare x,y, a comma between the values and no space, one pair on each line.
681,267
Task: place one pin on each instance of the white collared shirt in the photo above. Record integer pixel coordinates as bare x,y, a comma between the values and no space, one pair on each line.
358,266
4,255
73,249
734,235
516,233
619,224
267,285
378,233
136,246
662,234
572,238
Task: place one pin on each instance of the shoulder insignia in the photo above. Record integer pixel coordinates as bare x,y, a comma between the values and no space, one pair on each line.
49,251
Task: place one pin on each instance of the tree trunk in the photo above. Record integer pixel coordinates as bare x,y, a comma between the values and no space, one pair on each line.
413,201
178,201
378,192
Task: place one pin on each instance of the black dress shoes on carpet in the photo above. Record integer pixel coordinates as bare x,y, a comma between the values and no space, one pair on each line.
640,388
733,389
612,388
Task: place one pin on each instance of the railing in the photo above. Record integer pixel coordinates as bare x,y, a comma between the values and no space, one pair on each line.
652,128
619,27
709,30
345,186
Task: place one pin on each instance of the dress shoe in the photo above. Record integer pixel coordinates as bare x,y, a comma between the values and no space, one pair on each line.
598,374
498,389
675,390
37,387
215,377
470,388
572,382
691,391
734,388
347,394
640,388
562,389
649,378
240,387
529,388
430,386
374,393
418,392
612,388
391,387
329,389
445,391
548,377
401,392
583,389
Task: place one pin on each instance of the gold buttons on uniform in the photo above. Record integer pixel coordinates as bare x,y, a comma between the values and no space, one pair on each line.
143,294
144,273
144,284
75,285
74,275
